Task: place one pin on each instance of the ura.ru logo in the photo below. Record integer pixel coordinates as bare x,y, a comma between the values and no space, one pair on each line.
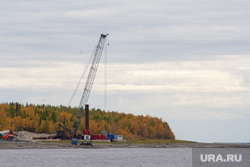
220,158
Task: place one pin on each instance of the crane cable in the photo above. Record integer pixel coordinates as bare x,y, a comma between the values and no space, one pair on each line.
81,78
84,72
105,76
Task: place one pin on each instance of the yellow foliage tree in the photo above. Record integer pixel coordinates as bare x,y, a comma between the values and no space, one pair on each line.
45,118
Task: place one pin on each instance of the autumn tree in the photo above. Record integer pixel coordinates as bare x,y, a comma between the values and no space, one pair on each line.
45,118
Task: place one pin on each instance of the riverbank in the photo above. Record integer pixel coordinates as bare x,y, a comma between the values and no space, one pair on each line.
25,140
100,145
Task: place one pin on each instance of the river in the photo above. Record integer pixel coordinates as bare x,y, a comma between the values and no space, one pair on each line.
112,157
126,157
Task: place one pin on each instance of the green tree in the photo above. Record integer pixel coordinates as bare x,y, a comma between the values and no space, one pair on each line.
53,116
45,115
12,110
24,114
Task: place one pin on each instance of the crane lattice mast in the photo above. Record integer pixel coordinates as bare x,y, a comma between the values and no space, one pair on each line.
90,80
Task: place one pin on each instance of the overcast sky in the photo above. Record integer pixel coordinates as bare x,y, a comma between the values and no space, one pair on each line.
185,61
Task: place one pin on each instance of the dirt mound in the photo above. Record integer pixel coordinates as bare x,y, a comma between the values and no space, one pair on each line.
28,136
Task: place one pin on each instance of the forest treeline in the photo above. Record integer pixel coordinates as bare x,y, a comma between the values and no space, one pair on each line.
45,119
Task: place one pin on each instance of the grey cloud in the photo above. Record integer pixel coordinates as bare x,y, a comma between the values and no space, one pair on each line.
38,34
165,29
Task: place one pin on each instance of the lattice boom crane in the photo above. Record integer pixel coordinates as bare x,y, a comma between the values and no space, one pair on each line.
90,80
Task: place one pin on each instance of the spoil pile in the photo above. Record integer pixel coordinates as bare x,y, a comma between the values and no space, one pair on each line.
28,136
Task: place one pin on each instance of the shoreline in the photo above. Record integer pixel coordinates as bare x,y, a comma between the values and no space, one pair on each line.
58,145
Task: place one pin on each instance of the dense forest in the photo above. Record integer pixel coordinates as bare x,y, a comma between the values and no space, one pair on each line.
45,119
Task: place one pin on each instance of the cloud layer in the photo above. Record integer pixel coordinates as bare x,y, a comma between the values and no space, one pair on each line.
184,61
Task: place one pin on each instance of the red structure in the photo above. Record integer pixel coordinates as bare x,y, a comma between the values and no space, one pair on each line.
98,137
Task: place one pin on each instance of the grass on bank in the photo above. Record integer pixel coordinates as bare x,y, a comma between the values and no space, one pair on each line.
135,141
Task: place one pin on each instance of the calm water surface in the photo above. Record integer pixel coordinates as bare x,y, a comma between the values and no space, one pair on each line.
113,157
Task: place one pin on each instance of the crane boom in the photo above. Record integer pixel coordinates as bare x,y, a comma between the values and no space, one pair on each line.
90,80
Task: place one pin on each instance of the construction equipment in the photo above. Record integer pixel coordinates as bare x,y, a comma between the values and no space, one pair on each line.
63,134
6,135
86,133
89,83
86,130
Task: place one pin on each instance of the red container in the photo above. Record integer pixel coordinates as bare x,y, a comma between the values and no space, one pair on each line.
102,137
95,137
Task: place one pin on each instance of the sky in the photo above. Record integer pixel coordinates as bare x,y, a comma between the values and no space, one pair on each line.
185,61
